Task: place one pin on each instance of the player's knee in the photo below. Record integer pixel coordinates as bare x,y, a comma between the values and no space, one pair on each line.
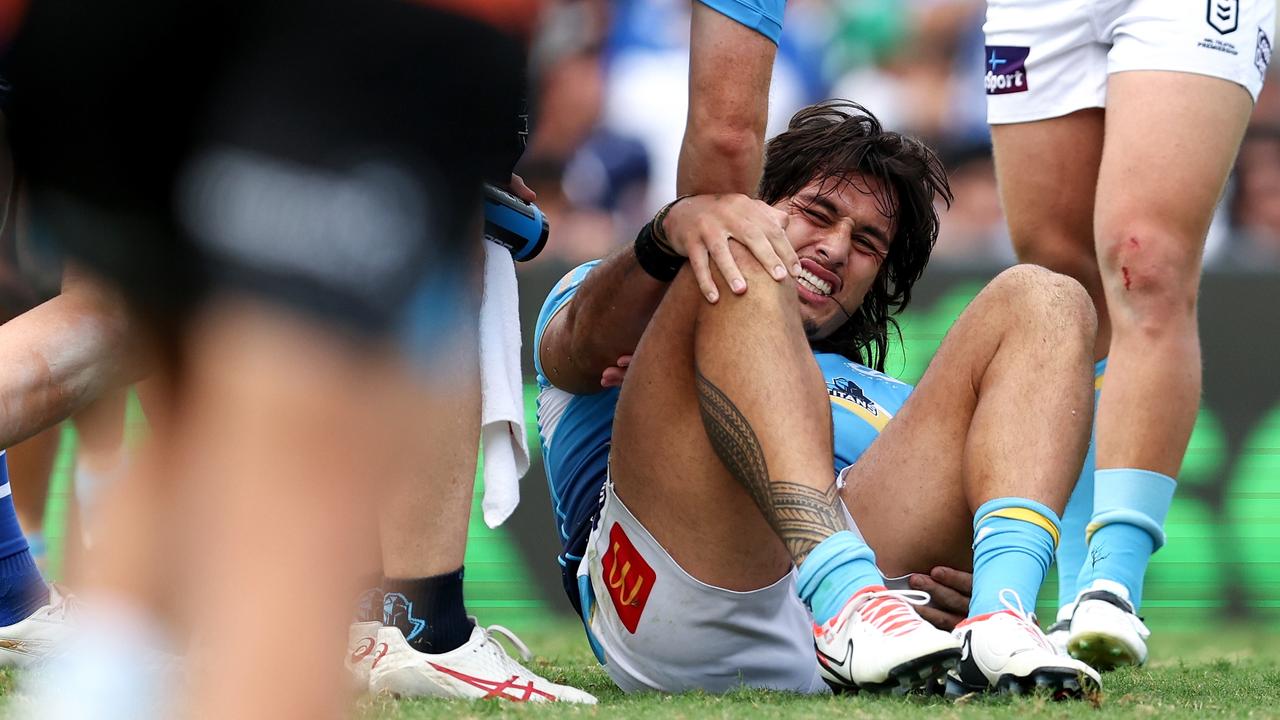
1049,300
1152,276
761,287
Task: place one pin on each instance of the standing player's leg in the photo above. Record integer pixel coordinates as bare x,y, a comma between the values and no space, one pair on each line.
985,451
1157,188
423,515
1047,171
22,590
31,462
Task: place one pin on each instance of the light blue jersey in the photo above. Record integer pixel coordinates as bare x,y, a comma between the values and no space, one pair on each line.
763,16
577,430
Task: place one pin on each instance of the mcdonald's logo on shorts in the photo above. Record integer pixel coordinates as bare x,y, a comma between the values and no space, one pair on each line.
628,577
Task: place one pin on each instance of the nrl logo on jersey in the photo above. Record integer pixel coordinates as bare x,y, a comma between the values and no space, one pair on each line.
1223,15
846,389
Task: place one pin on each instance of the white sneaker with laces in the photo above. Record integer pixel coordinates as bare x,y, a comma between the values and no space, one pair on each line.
1006,652
479,669
1105,629
41,634
879,643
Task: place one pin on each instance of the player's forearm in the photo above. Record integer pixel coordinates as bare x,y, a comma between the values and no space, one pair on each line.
603,322
55,359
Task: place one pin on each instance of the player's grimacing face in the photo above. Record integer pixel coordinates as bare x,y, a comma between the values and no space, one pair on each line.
841,236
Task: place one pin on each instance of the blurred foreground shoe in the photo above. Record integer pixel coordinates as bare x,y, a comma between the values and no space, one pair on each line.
1006,652
114,666
879,643
1105,629
477,670
41,634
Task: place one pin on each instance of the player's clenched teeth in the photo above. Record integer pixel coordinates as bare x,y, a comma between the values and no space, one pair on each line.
813,283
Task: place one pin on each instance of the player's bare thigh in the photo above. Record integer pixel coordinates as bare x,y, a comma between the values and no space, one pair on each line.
1047,172
665,470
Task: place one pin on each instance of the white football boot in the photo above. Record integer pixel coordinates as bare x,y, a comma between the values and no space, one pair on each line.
1061,629
41,634
1105,629
1006,652
477,670
879,643
362,640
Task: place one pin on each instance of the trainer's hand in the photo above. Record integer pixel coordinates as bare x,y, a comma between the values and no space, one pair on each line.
520,190
950,590
614,374
701,227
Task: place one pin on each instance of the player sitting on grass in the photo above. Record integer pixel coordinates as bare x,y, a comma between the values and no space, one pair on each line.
685,496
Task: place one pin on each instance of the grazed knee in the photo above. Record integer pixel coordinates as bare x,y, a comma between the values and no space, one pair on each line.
1152,277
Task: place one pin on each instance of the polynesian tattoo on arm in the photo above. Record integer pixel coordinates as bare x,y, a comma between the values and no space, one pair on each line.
801,515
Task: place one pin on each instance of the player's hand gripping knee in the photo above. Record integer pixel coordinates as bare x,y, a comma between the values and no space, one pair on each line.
701,228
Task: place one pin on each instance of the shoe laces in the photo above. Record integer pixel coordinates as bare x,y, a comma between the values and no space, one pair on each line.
492,632
1028,620
891,611
62,604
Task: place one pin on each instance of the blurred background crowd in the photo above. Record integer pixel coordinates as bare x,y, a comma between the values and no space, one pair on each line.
603,152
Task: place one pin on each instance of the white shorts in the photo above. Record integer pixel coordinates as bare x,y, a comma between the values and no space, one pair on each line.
654,627
1048,58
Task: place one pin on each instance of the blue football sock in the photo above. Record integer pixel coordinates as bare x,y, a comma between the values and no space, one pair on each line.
837,568
22,590
1129,509
1013,543
1073,546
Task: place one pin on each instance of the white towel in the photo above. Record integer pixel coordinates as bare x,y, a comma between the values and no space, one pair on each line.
502,434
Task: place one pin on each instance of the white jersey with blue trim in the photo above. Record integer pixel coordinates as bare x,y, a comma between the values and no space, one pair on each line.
577,430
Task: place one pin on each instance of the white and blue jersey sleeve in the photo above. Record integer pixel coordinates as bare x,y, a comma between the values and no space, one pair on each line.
576,432
763,16
862,403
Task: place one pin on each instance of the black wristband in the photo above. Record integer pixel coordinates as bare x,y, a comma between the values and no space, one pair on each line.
654,259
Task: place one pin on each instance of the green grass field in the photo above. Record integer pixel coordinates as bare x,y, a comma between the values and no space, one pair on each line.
1232,673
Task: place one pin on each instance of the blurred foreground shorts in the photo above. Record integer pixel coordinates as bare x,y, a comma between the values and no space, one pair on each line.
321,155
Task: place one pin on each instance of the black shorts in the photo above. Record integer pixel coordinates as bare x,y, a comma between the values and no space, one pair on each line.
323,154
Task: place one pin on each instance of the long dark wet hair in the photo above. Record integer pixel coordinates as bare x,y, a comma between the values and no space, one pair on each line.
839,139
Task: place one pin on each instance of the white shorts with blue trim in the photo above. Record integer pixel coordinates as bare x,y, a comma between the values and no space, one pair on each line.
655,627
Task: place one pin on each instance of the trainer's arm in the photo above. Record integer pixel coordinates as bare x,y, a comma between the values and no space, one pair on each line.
58,356
730,66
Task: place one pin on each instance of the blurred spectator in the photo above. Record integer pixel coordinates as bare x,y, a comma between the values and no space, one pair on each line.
1255,203
917,65
973,231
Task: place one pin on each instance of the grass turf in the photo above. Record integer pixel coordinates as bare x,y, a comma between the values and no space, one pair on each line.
1225,673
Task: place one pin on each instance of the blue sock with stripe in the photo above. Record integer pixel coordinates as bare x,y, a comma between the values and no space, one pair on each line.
1013,543
22,590
1073,547
1129,509
834,571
